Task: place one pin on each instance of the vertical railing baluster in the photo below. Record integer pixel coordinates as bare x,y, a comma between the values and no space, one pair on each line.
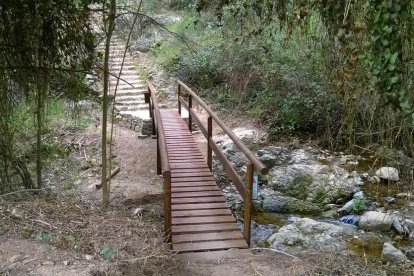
209,149
248,203
179,96
159,167
190,106
167,207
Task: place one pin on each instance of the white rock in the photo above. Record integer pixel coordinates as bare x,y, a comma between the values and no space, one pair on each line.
388,173
392,254
306,233
15,258
89,257
375,221
48,263
18,214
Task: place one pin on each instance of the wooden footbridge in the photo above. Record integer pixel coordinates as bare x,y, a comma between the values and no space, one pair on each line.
197,217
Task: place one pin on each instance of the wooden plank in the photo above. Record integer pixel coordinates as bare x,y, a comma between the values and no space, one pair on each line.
191,174
192,179
199,213
190,170
210,245
214,236
204,228
196,194
198,200
195,152
194,189
184,150
176,184
187,165
183,135
201,206
189,146
203,220
190,155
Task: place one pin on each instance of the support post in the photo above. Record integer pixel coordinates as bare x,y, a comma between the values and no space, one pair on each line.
190,106
167,208
248,203
179,96
159,169
209,136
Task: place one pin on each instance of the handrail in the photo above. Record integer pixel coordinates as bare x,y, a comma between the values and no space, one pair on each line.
165,165
250,155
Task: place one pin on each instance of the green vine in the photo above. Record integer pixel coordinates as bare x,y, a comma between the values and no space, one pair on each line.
386,52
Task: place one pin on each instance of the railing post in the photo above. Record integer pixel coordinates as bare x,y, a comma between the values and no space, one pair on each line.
159,169
248,203
209,136
190,120
167,208
179,96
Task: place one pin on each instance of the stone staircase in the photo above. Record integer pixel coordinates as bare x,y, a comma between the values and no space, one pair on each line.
130,105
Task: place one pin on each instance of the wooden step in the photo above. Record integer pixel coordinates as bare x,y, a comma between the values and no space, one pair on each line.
207,212
187,200
201,206
201,237
203,220
210,245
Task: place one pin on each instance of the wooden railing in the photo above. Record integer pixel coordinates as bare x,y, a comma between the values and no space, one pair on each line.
163,165
245,190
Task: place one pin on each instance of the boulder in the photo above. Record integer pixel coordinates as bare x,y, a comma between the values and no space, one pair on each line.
392,254
275,202
313,182
375,221
388,173
273,156
250,137
261,232
306,233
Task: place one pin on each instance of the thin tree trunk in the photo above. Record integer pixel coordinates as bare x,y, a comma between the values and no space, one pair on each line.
111,23
42,88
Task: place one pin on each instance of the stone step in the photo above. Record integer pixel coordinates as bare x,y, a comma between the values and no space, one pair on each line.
116,68
123,87
137,98
118,65
123,81
131,77
118,60
124,93
132,108
130,103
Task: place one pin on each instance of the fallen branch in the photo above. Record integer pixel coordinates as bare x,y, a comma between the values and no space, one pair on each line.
113,173
25,191
43,222
274,250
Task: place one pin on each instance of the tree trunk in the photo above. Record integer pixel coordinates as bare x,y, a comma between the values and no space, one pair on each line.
110,29
42,87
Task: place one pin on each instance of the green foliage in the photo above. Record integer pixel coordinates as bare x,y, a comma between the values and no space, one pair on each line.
180,4
327,67
107,252
358,205
45,46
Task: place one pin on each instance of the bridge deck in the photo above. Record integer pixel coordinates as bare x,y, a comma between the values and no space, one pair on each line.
201,218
